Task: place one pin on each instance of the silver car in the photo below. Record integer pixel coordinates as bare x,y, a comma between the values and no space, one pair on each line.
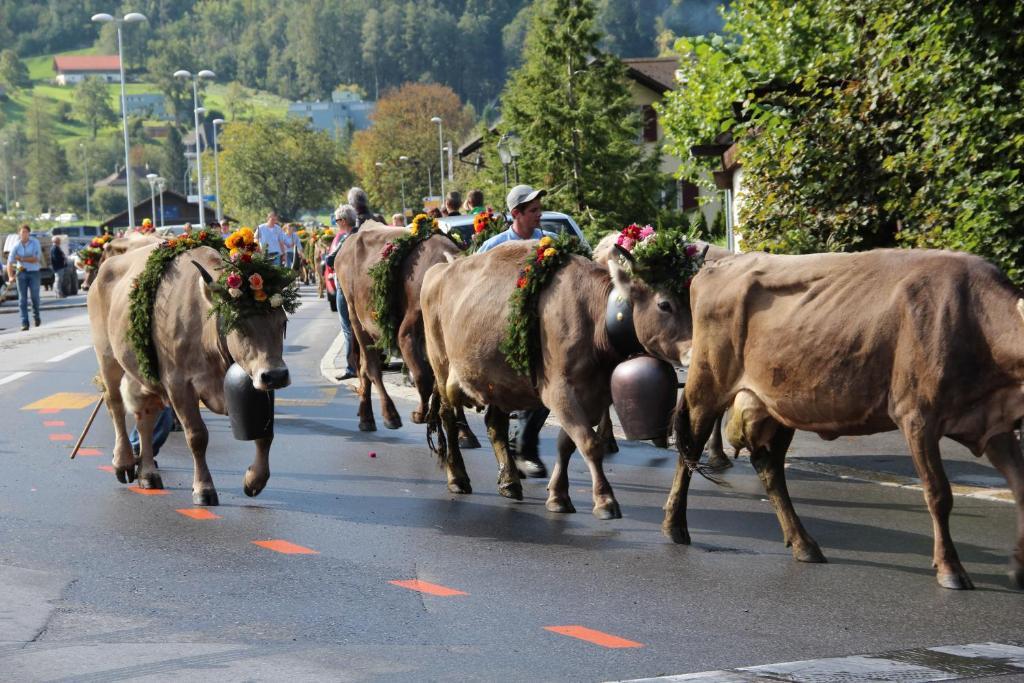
550,221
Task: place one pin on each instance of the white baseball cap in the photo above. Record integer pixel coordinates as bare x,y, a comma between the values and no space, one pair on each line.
522,194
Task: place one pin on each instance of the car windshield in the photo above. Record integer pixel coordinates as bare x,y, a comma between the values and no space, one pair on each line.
548,222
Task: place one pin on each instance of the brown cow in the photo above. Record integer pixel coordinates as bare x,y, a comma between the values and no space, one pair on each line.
193,356
358,253
465,308
927,342
118,246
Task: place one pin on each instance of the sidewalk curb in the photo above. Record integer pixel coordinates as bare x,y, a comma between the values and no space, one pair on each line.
56,307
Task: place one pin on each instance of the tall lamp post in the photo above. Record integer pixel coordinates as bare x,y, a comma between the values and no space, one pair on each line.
514,149
85,168
7,168
152,177
401,174
505,154
130,18
440,150
162,184
216,166
14,188
205,73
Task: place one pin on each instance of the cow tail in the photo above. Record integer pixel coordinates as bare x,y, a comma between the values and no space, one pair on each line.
1020,307
434,427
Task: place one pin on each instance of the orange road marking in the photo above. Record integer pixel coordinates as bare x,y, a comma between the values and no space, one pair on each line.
65,400
285,547
48,411
148,492
89,451
61,437
105,468
592,636
53,423
197,513
427,587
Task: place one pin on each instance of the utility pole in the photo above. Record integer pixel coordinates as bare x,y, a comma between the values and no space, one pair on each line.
577,184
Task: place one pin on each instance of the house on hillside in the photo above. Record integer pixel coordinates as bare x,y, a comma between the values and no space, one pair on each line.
118,180
146,105
346,110
73,69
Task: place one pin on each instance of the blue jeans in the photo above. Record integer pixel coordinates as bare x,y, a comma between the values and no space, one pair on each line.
348,339
289,258
160,430
528,434
28,283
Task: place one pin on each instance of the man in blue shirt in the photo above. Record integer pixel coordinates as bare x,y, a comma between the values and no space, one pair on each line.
524,204
24,262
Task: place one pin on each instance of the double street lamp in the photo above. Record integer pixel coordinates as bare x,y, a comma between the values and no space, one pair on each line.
153,179
440,150
130,18
216,166
196,110
508,152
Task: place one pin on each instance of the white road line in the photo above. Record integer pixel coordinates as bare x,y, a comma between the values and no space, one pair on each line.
68,354
12,377
978,660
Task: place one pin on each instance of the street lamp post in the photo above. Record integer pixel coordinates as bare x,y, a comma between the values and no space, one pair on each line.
216,165
514,150
130,18
440,150
151,177
7,168
14,188
401,174
205,73
85,167
162,184
505,154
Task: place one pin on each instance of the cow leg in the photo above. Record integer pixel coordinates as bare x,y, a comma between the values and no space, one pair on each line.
419,370
186,407
1003,451
370,359
123,459
257,474
924,448
455,466
717,458
576,424
508,475
769,460
605,433
145,421
467,439
692,427
558,487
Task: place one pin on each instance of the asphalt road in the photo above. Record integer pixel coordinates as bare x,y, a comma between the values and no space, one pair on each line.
98,582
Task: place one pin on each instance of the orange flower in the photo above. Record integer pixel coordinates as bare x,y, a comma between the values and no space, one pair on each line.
256,281
259,295
521,282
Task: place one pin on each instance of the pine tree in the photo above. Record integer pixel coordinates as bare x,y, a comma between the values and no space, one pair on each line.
172,162
570,104
46,164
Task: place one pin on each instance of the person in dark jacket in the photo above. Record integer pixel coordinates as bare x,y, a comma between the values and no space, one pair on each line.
58,262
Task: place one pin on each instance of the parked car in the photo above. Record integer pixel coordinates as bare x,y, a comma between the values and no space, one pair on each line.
550,221
67,218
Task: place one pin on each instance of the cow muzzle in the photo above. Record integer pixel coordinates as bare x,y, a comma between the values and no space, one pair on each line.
276,378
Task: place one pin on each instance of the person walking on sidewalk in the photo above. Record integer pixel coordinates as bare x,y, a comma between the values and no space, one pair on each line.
58,262
345,217
23,263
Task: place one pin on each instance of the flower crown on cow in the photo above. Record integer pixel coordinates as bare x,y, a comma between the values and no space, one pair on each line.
90,256
250,284
486,225
664,260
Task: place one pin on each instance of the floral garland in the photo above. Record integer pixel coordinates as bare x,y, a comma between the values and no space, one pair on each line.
250,284
143,296
486,225
90,256
384,275
521,344
665,260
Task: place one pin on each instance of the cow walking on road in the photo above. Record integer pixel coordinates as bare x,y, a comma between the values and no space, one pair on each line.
927,342
193,356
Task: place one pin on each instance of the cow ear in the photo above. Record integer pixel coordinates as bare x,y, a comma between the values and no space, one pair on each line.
621,278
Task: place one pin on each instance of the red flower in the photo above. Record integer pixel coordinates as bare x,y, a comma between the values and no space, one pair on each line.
521,282
247,257
234,280
202,235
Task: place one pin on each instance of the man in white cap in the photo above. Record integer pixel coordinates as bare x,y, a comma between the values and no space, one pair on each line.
524,204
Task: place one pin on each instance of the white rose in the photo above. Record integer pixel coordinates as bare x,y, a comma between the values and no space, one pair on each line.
276,300
235,293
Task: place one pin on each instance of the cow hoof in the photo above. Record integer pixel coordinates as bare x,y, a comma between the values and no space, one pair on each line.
562,505
468,441
608,511
252,483
125,475
955,581
367,426
513,490
719,461
809,553
660,442
418,417
460,486
677,534
151,481
206,497
396,423
252,490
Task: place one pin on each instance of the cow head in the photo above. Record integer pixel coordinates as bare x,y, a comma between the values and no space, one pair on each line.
256,342
662,319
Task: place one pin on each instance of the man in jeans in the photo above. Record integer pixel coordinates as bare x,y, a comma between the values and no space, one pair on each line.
23,263
58,262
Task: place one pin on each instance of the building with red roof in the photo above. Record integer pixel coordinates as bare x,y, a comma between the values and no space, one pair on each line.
76,68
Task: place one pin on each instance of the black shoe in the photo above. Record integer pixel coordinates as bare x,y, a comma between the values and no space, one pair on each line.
24,327
347,375
38,321
531,466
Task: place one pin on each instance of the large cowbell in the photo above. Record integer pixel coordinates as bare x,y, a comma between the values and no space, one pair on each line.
251,411
644,392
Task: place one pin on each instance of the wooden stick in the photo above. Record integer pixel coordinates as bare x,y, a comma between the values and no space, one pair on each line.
74,451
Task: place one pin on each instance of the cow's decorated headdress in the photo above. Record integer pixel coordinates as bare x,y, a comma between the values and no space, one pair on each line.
486,225
663,259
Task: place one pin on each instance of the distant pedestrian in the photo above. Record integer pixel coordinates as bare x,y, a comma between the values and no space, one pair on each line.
58,262
361,203
345,218
188,229
269,237
289,240
452,203
398,220
146,227
23,263
435,213
475,202
225,227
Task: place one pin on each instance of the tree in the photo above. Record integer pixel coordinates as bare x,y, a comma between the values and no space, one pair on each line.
236,101
13,72
166,57
402,127
92,104
866,124
281,165
172,160
570,105
46,165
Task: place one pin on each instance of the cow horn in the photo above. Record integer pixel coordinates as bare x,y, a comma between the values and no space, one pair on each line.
624,253
207,278
704,252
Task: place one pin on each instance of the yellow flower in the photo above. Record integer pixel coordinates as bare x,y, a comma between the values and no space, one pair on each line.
546,241
234,251
548,253
247,235
259,295
414,228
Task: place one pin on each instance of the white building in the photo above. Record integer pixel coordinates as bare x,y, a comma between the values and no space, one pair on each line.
73,69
